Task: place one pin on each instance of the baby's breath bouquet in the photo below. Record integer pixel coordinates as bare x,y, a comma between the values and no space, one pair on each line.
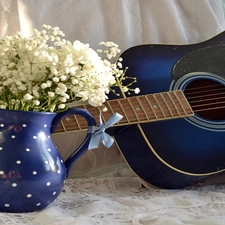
44,72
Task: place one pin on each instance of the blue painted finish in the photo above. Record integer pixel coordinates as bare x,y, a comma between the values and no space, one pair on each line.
182,152
32,171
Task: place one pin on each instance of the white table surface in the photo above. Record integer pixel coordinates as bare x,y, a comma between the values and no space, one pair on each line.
124,201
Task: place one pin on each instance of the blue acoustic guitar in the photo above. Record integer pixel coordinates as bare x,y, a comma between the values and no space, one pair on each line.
173,134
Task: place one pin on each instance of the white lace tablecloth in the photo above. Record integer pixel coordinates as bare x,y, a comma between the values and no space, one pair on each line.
123,201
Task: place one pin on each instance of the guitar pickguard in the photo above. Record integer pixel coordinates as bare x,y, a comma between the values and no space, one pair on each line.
209,59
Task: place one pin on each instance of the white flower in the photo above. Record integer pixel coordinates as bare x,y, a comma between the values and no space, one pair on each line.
61,106
49,83
44,72
3,106
136,90
125,89
55,79
63,78
58,91
63,99
27,97
62,87
36,93
36,102
51,94
44,85
54,70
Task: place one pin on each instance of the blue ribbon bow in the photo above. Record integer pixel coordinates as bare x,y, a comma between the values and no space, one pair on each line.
99,132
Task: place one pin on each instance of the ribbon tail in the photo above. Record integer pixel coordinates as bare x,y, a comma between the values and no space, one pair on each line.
107,140
94,142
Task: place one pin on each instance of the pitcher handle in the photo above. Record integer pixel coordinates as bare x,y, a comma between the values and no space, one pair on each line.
77,153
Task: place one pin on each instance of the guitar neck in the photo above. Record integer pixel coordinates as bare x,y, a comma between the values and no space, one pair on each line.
139,109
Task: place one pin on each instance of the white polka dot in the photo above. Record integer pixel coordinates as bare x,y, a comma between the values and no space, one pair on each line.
54,193
1,172
7,205
34,172
45,125
34,137
38,204
49,149
24,125
18,162
46,162
27,149
2,125
1,148
29,195
48,184
61,161
13,136
58,171
14,184
49,136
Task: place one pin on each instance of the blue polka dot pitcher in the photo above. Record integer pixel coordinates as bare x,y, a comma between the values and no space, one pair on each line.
32,171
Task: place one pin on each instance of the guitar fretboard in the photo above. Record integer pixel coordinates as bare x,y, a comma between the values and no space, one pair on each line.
139,109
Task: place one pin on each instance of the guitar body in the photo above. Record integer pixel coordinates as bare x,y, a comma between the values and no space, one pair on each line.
180,152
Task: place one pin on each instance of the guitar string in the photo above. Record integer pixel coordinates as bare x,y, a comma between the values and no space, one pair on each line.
195,94
70,126
203,87
205,98
115,108
141,116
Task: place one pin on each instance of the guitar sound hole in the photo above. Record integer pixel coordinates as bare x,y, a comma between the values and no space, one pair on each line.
207,98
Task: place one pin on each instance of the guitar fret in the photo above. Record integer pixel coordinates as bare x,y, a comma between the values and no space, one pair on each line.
155,97
138,109
166,103
107,112
80,121
176,104
180,96
180,104
146,115
133,109
155,107
150,105
78,124
177,112
117,107
94,111
124,112
128,110
109,106
61,127
146,108
170,108
69,124
84,107
151,108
